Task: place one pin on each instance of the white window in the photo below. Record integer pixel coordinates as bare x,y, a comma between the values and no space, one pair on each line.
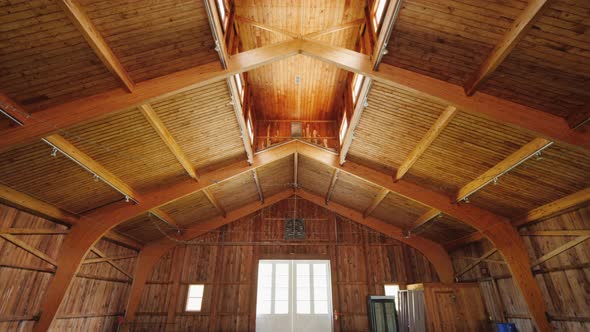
273,288
392,290
356,86
250,130
343,128
194,298
379,9
221,8
240,86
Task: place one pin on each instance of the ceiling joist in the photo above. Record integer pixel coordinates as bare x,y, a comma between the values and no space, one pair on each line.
427,217
441,123
95,40
554,208
258,186
517,31
213,200
332,185
376,201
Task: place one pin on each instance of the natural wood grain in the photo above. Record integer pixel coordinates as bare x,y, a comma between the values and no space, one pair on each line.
376,201
355,119
25,246
559,250
550,209
427,217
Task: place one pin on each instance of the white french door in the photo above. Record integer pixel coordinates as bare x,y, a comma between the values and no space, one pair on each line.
294,295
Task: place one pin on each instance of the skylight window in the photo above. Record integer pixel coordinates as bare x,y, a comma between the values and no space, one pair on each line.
250,130
240,86
356,86
221,8
194,299
379,11
343,128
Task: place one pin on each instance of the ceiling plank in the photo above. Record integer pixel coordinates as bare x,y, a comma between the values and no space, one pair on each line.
388,22
156,123
463,241
515,159
497,109
559,250
575,232
258,187
441,123
266,27
335,28
554,208
50,120
504,46
427,217
214,202
95,40
333,181
30,249
359,107
376,201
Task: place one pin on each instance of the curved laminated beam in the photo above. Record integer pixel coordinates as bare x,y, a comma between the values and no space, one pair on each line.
152,252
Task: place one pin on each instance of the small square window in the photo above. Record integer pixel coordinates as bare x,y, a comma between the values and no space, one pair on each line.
194,298
392,290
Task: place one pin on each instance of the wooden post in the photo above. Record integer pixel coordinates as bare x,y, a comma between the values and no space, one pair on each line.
333,234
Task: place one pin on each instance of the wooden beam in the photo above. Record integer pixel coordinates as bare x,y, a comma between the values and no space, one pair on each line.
51,120
30,249
433,251
335,28
214,202
515,159
504,46
123,240
266,27
463,241
156,123
295,171
36,206
106,259
579,118
496,228
475,263
376,201
387,24
91,165
13,110
497,109
332,185
111,262
258,187
441,123
165,217
425,218
554,208
559,250
359,107
33,231
95,40
574,232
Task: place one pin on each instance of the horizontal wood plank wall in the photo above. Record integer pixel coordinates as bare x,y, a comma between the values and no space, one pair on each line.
563,279
24,277
98,295
226,264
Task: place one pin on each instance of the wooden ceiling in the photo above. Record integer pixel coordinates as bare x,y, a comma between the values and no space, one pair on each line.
166,118
297,88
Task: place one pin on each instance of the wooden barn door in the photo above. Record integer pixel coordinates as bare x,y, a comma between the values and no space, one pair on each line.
446,315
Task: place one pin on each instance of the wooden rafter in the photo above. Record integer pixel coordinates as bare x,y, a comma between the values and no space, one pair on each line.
441,123
355,119
554,208
90,164
95,40
579,118
515,159
165,217
258,186
574,232
123,240
376,201
33,231
295,170
463,241
106,259
30,249
332,185
214,202
517,31
494,108
335,28
476,262
13,110
86,109
111,262
156,123
388,22
427,217
560,249
266,27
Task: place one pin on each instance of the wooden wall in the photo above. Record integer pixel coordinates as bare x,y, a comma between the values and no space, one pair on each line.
564,279
225,261
98,294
